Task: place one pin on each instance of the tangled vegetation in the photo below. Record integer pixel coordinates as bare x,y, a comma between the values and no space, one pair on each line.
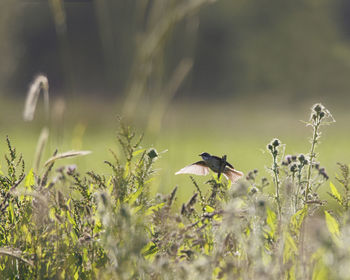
60,224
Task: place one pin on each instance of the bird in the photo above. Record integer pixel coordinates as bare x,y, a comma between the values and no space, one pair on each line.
214,163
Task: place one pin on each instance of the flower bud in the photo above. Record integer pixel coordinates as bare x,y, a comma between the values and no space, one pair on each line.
301,158
152,154
254,190
276,143
318,108
294,168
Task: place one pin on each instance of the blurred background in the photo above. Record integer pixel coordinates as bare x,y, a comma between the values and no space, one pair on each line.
222,76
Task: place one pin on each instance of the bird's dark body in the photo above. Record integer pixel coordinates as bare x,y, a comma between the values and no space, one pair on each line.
214,163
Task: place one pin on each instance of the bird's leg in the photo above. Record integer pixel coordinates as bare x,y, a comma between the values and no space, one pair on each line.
222,166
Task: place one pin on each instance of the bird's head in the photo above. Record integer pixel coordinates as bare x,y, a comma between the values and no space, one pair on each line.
205,156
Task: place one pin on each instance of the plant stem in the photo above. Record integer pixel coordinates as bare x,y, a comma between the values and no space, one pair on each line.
312,156
298,190
275,171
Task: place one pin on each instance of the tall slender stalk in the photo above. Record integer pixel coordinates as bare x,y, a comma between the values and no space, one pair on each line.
319,116
312,156
272,147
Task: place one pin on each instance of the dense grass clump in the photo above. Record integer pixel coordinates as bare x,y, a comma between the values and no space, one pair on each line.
56,223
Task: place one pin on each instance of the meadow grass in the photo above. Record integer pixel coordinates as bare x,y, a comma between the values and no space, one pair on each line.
240,130
117,214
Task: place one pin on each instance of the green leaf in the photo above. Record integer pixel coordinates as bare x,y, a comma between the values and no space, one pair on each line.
333,226
149,251
126,170
134,210
290,248
271,221
297,219
321,271
29,181
135,153
132,197
335,191
52,213
11,213
154,208
209,209
70,219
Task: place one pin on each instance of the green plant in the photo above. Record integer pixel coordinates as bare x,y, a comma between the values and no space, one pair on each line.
62,224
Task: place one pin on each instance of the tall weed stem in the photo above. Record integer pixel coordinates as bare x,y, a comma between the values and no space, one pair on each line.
272,147
319,114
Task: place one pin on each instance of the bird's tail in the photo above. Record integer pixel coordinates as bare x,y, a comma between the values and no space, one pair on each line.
233,174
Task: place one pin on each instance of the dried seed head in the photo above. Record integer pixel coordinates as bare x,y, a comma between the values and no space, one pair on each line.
294,168
192,200
66,155
276,142
71,169
301,158
152,154
40,84
288,159
250,176
323,173
318,108
254,190
261,203
104,198
183,209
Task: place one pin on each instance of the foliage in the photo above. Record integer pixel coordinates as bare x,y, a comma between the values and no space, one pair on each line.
60,224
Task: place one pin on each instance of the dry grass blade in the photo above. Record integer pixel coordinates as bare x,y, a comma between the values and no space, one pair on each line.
66,155
168,93
44,135
40,83
16,254
152,44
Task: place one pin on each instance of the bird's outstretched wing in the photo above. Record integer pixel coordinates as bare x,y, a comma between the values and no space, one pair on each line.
197,168
233,174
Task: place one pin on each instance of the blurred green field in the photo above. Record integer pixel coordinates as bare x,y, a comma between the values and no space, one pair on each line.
239,129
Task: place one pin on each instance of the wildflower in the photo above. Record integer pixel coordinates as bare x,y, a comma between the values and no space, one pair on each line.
294,168
71,169
301,158
261,203
254,190
323,173
250,176
318,108
152,154
276,142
